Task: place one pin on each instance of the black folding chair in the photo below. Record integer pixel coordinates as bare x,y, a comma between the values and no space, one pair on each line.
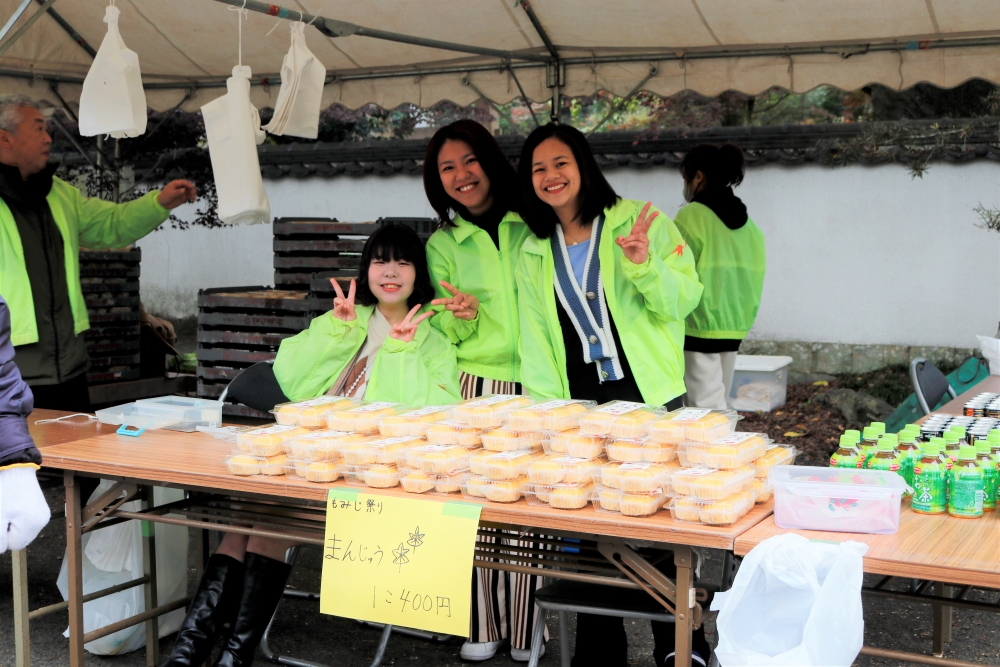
929,384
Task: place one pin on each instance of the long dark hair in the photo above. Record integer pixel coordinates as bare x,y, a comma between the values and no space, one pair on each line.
595,190
395,243
503,180
722,165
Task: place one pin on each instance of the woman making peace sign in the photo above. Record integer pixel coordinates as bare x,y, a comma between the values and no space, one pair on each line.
604,285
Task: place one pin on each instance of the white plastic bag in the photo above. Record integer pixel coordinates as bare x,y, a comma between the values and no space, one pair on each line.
302,77
112,556
991,350
232,125
112,101
794,603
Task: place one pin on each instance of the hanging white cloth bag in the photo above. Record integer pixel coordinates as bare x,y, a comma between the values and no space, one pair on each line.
302,77
232,125
794,603
112,101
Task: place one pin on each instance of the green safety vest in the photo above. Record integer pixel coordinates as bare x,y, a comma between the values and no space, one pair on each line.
730,265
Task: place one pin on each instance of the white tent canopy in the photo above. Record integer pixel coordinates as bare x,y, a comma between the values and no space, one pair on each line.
187,48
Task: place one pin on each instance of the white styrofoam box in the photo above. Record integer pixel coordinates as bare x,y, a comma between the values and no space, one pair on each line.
844,500
760,383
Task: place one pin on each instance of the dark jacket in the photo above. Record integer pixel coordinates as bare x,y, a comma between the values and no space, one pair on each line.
16,403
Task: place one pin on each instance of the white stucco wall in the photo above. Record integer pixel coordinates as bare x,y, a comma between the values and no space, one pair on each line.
863,255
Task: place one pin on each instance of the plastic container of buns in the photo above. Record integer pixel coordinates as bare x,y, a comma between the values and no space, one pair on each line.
763,489
506,439
569,496
243,464
607,499
267,441
453,432
573,443
619,419
495,490
379,450
363,418
437,459
506,465
320,445
418,481
709,483
636,450
635,476
489,411
374,475
712,512
311,413
775,455
732,451
555,415
563,469
414,422
693,424
314,471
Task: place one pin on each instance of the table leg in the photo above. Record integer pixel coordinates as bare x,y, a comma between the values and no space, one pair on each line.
684,602
149,588
942,619
74,567
22,636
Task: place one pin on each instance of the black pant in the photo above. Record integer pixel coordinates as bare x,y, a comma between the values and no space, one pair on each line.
71,395
601,640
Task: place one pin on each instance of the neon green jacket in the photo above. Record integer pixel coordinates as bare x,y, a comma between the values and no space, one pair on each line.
730,265
81,221
465,256
421,372
648,303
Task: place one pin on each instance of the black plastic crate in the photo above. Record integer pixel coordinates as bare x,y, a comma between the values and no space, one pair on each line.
108,347
116,317
122,285
108,270
130,256
118,300
241,339
115,374
116,332
231,356
101,363
251,299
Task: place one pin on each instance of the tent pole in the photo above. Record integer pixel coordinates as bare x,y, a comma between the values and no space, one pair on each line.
653,69
24,28
62,128
73,34
524,97
526,6
335,28
466,82
13,19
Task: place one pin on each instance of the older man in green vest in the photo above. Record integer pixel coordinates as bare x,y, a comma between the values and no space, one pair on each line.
43,222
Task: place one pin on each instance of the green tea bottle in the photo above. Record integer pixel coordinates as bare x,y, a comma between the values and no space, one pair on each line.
846,455
994,441
886,457
879,427
867,444
963,434
967,485
930,475
915,430
946,461
952,443
989,467
855,437
909,451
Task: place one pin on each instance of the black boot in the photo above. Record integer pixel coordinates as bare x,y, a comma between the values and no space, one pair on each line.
214,603
262,590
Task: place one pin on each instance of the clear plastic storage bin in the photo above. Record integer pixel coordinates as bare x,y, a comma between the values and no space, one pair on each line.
760,383
844,500
176,413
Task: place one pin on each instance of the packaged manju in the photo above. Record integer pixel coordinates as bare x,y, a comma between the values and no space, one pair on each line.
968,482
930,475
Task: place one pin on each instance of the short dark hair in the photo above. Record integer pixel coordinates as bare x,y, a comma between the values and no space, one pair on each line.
503,179
722,165
595,190
395,243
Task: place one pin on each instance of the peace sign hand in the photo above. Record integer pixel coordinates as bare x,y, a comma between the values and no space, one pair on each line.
343,307
635,246
463,306
407,329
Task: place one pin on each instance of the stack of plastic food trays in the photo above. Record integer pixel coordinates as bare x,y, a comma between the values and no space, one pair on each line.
262,451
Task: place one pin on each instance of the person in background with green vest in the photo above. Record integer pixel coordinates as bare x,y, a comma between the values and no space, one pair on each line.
728,250
473,188
604,285
43,222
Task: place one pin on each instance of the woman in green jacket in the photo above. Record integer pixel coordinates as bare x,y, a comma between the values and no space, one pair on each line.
472,256
372,345
728,251
604,285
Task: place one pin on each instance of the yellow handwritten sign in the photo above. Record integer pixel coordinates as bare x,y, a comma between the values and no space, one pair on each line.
404,561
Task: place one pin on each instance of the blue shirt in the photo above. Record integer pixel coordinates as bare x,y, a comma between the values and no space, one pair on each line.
578,259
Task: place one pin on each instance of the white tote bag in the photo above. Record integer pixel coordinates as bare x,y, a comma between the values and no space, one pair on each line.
112,101
794,603
302,76
232,125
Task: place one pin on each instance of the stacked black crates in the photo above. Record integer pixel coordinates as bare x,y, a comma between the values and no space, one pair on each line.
239,327
110,282
304,246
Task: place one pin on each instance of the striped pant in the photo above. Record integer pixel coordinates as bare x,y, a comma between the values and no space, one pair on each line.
503,603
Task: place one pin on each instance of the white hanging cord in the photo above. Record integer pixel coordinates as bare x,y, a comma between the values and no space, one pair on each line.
243,15
59,419
274,28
